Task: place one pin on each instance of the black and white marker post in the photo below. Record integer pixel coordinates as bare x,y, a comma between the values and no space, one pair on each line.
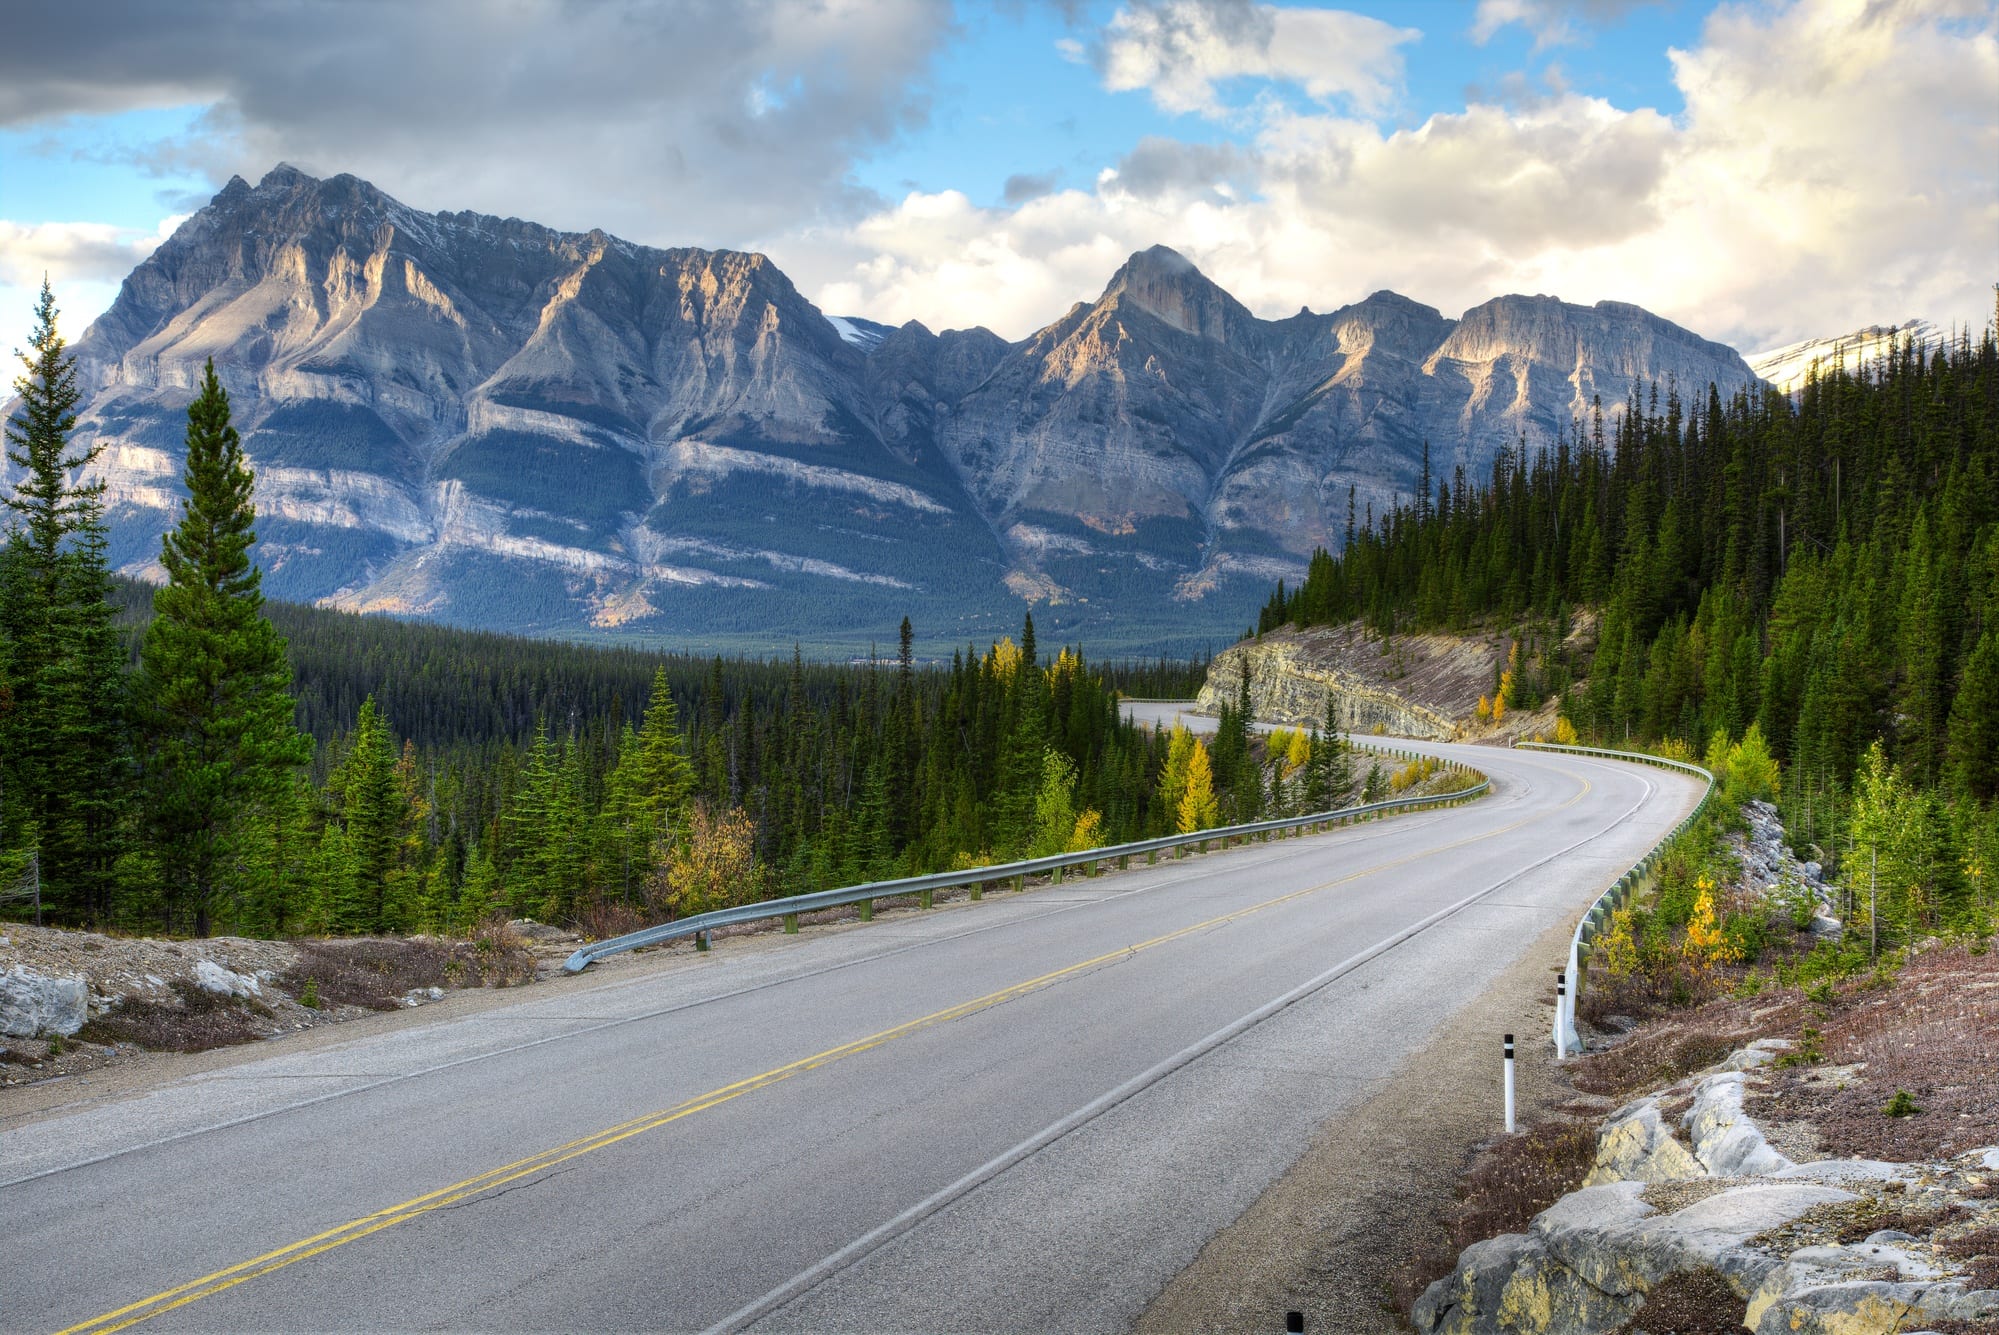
1561,1004
1509,1084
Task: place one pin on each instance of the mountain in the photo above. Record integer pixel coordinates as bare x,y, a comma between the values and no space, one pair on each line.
1787,367
490,422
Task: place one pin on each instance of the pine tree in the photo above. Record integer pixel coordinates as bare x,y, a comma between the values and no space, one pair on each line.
215,687
1974,723
374,813
62,740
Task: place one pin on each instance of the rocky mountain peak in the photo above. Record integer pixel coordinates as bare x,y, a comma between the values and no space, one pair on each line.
502,424
1165,283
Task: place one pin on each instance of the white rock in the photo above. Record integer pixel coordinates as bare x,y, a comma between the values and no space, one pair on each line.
212,977
1725,1139
32,1005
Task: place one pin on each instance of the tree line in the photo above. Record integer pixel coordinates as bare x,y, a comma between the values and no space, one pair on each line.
1821,569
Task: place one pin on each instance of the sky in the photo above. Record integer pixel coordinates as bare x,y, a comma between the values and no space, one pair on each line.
1761,172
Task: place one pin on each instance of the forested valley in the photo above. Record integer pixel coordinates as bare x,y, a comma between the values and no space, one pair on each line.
188,758
1819,576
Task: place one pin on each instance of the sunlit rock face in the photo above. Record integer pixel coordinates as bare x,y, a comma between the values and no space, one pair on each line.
491,422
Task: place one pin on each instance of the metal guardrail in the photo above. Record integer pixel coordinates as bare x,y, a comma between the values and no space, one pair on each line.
700,925
1621,892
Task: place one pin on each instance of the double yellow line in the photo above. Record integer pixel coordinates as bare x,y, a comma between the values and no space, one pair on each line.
354,1230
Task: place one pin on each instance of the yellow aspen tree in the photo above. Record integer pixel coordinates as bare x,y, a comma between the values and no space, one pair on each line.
1198,810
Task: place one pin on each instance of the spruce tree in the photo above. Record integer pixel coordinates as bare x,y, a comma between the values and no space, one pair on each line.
374,812
215,685
62,736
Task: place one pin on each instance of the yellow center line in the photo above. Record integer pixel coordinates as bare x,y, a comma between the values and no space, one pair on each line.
354,1230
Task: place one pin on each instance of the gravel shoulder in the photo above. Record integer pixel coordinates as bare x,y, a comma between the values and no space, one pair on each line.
1330,1237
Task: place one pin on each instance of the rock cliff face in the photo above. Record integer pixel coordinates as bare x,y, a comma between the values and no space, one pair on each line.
485,420
1411,686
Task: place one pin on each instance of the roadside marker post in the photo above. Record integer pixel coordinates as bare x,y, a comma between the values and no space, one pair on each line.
1561,1006
1509,1084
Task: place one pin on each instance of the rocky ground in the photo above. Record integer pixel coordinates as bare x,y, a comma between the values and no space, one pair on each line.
73,1002
1827,1246
1820,1159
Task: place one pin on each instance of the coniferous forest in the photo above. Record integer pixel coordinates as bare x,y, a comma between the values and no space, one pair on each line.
191,759
1821,572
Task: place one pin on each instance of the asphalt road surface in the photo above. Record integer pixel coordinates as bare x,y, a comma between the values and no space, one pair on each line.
1027,1113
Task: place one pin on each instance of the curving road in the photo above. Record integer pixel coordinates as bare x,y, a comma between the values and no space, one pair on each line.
1027,1113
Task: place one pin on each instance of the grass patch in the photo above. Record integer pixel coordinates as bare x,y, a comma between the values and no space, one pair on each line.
195,1021
1508,1184
1656,1056
378,972
1692,1302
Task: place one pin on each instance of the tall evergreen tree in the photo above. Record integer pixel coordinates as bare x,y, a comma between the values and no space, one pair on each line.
373,809
63,744
215,687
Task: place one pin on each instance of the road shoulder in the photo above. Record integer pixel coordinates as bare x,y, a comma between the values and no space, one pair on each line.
1329,1238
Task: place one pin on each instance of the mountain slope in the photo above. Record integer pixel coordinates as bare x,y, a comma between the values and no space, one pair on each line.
486,421
490,421
1788,367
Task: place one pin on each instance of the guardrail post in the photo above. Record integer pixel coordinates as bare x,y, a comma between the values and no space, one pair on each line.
978,890
791,924
1019,884
923,899
1056,877
867,907
1124,861
701,940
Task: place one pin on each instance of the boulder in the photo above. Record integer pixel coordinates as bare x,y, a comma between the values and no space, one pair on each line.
212,977
1636,1146
1725,1139
32,1005
1798,1300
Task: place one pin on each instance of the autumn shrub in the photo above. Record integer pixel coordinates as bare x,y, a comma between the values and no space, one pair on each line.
713,865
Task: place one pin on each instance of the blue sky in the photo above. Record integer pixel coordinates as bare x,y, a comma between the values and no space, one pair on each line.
1760,171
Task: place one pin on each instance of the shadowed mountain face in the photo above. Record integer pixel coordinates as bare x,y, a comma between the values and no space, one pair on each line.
486,421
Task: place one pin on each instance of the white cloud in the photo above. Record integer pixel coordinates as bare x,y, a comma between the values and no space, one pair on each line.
74,251
1179,50
84,262
1832,169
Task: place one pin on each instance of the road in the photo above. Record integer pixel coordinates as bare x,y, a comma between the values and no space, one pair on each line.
1027,1113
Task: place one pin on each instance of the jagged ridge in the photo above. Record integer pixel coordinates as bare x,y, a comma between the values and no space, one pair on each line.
493,422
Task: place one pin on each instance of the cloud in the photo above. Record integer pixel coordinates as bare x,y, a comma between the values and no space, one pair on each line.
1830,170
1553,22
69,252
1159,168
1021,187
1180,50
660,119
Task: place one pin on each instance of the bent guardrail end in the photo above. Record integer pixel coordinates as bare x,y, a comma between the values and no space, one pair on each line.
579,961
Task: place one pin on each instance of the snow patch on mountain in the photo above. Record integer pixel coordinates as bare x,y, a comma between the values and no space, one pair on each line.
863,334
688,459
1787,367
